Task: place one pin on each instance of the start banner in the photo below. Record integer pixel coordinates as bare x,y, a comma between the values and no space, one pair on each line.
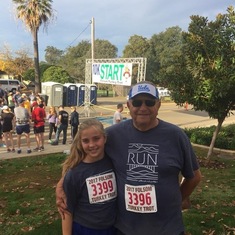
112,73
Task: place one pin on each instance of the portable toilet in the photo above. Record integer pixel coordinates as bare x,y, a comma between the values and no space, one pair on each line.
65,97
80,94
54,91
93,93
70,93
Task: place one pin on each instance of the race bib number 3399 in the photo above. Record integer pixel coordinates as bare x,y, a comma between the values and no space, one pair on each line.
140,199
101,188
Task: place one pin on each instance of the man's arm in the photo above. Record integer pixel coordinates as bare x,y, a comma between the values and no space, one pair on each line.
188,185
61,199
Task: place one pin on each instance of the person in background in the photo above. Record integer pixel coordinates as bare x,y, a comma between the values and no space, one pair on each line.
16,97
7,119
11,103
2,92
117,117
89,184
27,104
22,118
1,134
74,122
149,155
32,98
52,119
40,101
38,117
63,121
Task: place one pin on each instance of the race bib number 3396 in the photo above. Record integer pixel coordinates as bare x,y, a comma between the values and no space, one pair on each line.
101,188
140,199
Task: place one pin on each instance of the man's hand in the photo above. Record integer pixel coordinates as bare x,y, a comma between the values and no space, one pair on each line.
61,199
186,204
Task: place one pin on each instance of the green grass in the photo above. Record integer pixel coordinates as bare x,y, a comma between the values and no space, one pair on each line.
27,197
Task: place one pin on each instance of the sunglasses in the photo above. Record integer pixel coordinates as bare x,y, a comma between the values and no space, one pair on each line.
148,103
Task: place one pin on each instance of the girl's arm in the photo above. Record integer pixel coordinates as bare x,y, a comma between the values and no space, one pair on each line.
67,224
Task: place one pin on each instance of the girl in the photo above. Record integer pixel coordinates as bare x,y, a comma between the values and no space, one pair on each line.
52,119
7,118
89,184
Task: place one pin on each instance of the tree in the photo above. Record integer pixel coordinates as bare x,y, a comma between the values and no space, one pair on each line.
30,73
137,47
104,49
53,55
34,13
56,74
169,58
209,48
16,64
74,58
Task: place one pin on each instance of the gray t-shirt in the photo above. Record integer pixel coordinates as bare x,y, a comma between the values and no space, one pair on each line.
22,116
117,116
147,166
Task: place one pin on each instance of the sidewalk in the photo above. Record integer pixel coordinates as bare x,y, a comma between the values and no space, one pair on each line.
60,148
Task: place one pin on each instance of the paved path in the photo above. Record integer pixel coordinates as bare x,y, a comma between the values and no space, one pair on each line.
105,109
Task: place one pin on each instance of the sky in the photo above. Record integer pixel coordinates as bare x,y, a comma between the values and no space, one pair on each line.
115,21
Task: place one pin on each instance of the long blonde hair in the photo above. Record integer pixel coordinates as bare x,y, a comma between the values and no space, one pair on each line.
77,153
52,111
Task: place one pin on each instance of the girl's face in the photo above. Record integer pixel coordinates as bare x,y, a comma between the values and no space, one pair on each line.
92,141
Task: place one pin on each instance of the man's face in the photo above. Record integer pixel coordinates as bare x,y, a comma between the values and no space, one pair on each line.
144,110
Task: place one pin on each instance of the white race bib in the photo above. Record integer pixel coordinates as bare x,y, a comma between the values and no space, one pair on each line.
141,198
101,188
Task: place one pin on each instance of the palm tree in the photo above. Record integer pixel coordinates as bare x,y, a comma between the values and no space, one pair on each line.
34,13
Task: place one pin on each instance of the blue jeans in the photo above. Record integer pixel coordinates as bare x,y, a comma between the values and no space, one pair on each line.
61,127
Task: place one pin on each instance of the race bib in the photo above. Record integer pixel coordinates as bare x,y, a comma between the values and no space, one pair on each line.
101,188
141,198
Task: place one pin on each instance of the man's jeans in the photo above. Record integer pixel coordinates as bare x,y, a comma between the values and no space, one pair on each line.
61,127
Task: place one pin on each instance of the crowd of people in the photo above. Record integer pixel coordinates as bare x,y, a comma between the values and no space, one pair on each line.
22,114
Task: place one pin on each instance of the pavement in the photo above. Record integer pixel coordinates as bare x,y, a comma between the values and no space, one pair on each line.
104,110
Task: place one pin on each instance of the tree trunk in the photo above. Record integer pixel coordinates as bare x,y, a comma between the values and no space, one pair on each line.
36,62
215,134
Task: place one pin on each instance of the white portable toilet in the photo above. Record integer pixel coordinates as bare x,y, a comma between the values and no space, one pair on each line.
54,91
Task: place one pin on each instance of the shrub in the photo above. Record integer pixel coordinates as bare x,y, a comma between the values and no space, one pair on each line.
203,136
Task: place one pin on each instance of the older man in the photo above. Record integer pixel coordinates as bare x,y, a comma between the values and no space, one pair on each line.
149,155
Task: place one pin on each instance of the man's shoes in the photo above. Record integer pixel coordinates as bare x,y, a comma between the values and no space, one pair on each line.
42,148
19,151
36,149
29,151
54,143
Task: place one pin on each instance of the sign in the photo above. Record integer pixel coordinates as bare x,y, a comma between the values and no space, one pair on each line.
112,73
